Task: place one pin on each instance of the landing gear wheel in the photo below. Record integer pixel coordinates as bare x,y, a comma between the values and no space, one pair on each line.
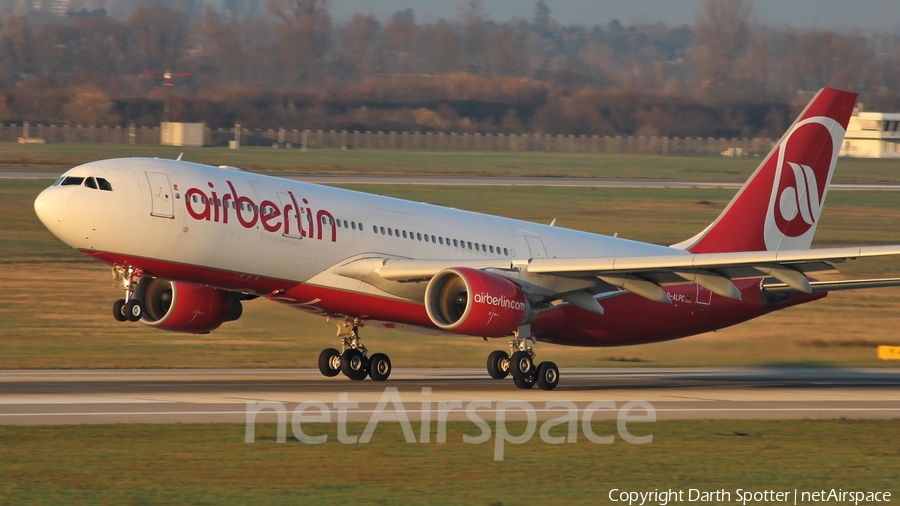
379,367
354,365
525,382
134,310
119,311
498,364
547,376
521,365
330,362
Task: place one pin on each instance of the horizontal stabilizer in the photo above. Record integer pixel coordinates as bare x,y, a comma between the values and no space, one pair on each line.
834,286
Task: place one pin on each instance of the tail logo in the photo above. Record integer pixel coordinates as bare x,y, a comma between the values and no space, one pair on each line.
806,160
800,199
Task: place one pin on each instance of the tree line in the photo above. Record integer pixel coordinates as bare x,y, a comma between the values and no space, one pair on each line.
289,63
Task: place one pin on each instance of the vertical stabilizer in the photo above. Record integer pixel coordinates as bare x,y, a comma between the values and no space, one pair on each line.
778,208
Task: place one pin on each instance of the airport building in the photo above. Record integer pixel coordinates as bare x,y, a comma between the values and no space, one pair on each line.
872,135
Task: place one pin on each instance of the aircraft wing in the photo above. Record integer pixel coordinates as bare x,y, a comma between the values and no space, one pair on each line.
644,275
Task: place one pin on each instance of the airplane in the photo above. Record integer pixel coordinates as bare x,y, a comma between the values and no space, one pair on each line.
188,243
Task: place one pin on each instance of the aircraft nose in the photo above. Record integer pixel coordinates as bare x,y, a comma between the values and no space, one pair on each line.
50,207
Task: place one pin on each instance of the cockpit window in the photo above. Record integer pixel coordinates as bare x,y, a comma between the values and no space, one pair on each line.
90,183
104,184
59,180
72,181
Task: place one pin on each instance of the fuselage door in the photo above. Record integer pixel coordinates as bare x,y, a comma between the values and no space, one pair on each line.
536,247
291,217
704,296
160,195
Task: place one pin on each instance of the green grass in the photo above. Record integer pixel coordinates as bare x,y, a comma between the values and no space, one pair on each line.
482,163
210,464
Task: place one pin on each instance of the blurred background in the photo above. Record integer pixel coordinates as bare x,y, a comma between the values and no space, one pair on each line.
726,68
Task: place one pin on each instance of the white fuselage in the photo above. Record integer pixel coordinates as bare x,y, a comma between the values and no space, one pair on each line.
195,221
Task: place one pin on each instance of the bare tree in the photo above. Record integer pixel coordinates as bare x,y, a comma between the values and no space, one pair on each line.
723,33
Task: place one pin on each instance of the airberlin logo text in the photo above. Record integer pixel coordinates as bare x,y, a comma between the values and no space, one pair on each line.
295,217
501,301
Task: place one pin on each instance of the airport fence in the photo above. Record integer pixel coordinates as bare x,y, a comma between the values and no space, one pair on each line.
419,141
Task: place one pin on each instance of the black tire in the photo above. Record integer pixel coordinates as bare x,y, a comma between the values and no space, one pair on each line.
354,365
521,365
379,367
327,362
134,310
498,364
525,382
119,310
547,376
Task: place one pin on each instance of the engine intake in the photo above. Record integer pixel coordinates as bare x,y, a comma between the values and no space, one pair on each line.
473,302
183,307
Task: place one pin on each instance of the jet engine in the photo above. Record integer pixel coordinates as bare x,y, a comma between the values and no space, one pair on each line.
183,307
473,302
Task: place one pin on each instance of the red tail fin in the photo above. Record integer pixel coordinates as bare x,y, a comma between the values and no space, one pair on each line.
779,206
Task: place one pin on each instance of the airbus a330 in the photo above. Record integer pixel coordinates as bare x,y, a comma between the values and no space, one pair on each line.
189,242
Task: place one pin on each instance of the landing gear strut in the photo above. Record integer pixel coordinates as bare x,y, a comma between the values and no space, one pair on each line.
352,359
521,365
128,309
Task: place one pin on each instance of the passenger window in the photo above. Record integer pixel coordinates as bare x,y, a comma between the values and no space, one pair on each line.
505,252
492,249
375,229
396,232
90,183
195,199
72,181
360,227
345,224
353,224
404,234
455,243
390,232
483,248
432,238
441,239
470,245
476,247
339,223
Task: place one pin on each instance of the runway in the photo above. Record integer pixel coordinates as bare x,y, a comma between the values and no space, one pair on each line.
345,179
192,396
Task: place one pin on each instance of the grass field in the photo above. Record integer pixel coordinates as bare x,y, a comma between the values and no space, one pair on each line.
55,311
210,464
482,163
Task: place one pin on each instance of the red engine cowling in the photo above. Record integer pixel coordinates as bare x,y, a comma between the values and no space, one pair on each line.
477,303
183,307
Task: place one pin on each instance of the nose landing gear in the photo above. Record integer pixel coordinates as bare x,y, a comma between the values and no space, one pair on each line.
128,309
352,360
521,365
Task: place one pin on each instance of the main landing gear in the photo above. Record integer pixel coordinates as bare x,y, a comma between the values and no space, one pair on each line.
352,360
128,309
521,365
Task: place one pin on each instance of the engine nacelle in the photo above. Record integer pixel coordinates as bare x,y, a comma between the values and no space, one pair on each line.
183,307
477,303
